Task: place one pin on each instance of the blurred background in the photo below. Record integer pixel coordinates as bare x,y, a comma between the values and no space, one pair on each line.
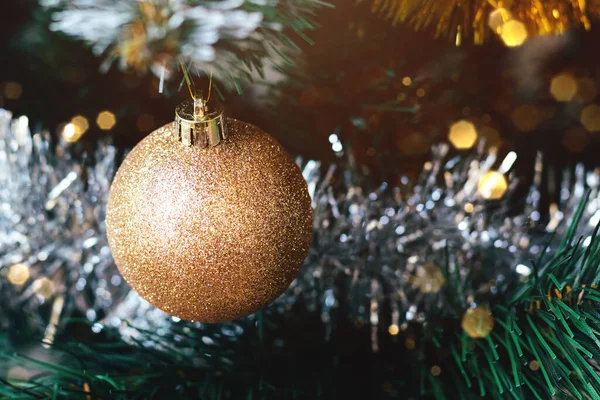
387,91
370,86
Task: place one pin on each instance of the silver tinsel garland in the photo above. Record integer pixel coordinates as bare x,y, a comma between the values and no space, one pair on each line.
53,251
383,256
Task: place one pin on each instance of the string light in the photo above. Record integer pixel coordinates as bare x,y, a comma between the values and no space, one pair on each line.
463,135
526,117
492,186
73,131
18,274
13,90
590,118
43,287
563,87
106,120
514,33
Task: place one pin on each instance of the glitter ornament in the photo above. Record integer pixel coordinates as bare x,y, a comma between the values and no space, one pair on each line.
209,218
477,322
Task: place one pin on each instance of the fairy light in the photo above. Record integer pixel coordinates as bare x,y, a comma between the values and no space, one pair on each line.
563,87
526,117
590,118
534,365
576,139
18,274
145,123
492,185
586,90
106,120
463,135
498,18
13,90
514,33
43,287
75,129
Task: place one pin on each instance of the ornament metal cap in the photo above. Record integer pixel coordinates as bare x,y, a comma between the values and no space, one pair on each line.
200,123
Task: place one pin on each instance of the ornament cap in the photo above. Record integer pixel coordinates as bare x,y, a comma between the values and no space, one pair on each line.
200,123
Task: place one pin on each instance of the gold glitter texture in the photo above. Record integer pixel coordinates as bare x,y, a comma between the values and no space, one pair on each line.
476,19
209,234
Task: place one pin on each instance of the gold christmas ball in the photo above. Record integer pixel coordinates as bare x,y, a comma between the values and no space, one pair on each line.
209,234
478,322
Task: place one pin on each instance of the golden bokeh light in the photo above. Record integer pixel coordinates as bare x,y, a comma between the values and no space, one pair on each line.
406,81
478,322
13,90
526,117
145,123
421,92
106,120
436,370
18,274
43,287
68,132
514,33
586,90
590,118
469,208
498,18
393,329
81,124
462,135
492,136
413,144
534,365
576,139
428,278
563,87
492,185
410,343
75,129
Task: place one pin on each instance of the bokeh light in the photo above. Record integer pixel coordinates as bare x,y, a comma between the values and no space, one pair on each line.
498,18
492,185
462,135
526,117
413,144
18,274
478,322
145,123
563,87
106,120
43,287
75,129
586,90
534,365
514,33
428,278
576,139
13,90
393,329
491,135
590,118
